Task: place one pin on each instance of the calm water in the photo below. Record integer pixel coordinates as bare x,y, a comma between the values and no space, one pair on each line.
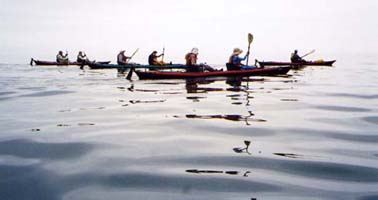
68,133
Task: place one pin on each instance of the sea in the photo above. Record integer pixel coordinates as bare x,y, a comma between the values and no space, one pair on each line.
82,134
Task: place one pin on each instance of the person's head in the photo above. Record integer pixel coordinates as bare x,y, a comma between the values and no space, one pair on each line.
80,53
295,51
60,52
154,52
237,51
195,51
122,52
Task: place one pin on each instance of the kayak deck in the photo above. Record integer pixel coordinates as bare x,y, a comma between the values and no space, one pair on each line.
307,63
179,75
135,66
51,63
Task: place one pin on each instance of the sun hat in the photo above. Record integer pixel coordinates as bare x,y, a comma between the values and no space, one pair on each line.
237,51
195,50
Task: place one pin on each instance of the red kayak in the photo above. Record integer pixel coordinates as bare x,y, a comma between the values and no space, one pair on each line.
40,62
243,73
307,63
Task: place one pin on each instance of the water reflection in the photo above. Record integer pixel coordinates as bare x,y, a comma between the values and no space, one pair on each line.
192,86
235,117
243,150
288,155
197,171
146,101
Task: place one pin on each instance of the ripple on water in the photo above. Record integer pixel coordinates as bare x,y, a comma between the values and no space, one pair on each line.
31,88
6,93
351,95
369,197
343,108
47,93
352,136
52,151
304,168
371,119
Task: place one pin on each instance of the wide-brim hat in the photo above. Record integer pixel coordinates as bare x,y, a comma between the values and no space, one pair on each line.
237,51
195,50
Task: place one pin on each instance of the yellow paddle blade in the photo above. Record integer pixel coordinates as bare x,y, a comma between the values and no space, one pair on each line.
250,38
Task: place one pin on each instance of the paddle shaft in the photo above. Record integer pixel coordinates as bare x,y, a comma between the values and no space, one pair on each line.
162,57
130,74
250,39
311,52
249,47
132,55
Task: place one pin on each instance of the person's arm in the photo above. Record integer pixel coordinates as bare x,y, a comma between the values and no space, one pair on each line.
237,59
246,55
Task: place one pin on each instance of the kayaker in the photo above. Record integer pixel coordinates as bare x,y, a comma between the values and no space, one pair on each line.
82,57
122,59
60,58
191,62
153,59
235,60
295,58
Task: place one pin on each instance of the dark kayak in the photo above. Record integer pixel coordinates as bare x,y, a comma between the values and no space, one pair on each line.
134,65
41,62
123,68
307,63
273,71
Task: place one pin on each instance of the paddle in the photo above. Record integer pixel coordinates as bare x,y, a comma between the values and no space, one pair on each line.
162,57
311,52
31,61
250,39
132,55
130,74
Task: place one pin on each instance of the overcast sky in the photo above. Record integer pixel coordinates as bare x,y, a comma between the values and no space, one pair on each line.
39,28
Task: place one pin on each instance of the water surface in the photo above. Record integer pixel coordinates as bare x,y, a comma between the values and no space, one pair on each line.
91,134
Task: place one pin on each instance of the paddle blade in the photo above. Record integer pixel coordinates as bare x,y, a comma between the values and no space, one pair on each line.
250,38
130,74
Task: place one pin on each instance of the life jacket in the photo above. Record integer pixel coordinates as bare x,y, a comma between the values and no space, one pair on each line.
121,58
231,61
151,59
190,58
295,58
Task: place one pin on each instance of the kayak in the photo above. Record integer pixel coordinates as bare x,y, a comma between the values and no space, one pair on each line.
122,68
41,62
307,63
134,65
179,75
